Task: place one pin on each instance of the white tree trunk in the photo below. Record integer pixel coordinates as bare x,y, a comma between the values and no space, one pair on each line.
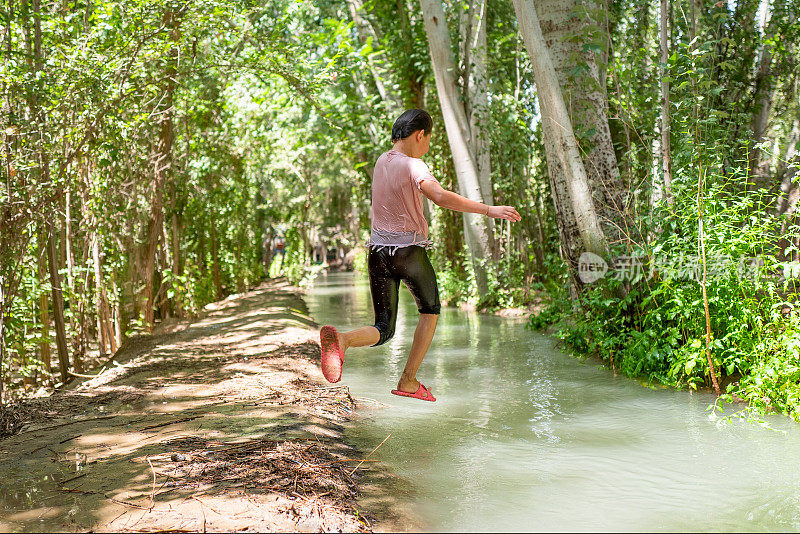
564,161
566,27
105,333
476,228
790,192
473,48
762,97
666,145
657,182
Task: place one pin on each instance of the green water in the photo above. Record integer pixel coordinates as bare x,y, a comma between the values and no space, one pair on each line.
525,437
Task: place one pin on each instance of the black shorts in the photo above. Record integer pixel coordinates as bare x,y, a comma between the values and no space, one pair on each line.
412,266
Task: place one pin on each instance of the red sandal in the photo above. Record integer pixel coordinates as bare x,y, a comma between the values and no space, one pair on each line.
421,393
332,355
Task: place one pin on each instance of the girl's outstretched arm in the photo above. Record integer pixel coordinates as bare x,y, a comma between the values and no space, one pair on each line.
453,201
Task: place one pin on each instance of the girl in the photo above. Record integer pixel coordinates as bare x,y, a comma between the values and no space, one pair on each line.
398,251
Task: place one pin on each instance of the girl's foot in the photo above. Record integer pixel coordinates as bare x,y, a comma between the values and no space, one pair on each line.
421,393
409,385
413,386
332,354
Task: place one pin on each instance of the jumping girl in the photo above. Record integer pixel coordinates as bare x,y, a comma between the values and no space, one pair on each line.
398,251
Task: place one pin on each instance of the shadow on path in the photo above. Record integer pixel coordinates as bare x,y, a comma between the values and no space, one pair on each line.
222,424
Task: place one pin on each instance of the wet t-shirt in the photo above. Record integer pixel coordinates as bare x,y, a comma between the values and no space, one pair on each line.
397,199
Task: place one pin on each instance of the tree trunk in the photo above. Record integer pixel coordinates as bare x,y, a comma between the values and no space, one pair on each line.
539,250
666,146
790,191
267,250
5,124
119,323
215,262
44,305
695,13
81,330
473,48
177,231
69,256
148,260
573,39
762,97
575,209
241,281
58,303
476,227
201,247
303,227
107,338
68,241
532,226
162,162
164,262
2,336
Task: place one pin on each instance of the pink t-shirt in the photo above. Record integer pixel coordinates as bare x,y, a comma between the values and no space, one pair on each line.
396,194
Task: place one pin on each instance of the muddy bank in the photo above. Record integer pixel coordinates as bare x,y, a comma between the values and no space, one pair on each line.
221,424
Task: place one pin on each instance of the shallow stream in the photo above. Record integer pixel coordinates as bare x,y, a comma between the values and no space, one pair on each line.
526,437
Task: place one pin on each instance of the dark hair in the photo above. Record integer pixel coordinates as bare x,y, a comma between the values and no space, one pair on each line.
409,122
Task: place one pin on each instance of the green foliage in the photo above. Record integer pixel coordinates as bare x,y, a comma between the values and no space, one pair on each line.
254,154
772,382
658,329
455,285
294,263
654,327
360,262
556,311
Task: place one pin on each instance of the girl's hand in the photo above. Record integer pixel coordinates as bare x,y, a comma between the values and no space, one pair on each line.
504,212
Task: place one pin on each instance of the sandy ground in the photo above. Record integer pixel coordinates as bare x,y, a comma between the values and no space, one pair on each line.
220,424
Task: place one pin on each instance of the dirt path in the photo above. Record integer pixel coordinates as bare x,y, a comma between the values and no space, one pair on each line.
224,424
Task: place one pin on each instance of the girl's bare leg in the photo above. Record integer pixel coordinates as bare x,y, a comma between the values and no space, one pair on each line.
419,347
360,337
